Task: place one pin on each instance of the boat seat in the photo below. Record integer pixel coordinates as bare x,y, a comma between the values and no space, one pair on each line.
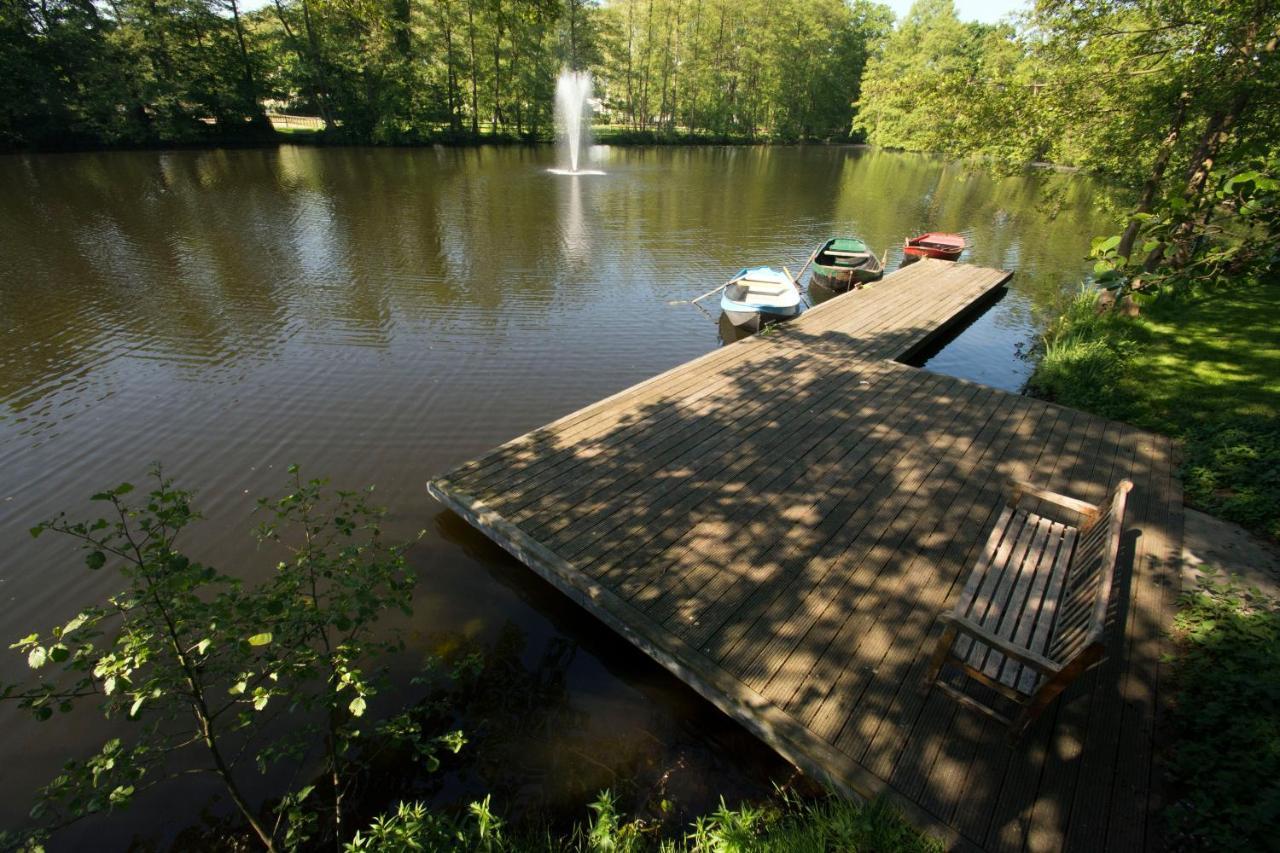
765,288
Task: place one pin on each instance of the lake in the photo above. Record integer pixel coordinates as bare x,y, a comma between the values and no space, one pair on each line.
380,315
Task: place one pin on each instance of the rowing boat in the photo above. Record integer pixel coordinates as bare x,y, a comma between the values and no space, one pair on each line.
759,295
935,244
844,263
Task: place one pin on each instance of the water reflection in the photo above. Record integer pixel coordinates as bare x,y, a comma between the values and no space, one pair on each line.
381,315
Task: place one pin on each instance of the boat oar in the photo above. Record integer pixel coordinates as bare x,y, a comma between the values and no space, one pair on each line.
698,299
787,272
796,280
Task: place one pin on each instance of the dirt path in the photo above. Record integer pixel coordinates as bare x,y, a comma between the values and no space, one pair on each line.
1209,542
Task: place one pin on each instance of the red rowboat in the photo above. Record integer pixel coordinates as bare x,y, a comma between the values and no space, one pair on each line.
945,247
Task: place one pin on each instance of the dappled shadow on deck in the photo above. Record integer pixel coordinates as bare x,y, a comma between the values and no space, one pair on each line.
790,516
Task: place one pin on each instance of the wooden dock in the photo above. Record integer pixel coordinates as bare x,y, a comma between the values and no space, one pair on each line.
780,523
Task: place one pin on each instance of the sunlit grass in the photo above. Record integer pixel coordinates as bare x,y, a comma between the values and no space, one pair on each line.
1204,369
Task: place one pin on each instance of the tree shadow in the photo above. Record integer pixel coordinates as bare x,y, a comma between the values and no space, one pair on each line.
795,519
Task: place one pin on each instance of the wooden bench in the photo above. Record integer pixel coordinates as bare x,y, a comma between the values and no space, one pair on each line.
1031,616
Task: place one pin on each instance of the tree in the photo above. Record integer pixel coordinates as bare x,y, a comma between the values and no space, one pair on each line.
201,663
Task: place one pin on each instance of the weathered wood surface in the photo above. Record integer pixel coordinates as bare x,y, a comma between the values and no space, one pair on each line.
1031,617
782,521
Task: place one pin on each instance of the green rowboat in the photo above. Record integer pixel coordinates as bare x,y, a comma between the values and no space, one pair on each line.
844,263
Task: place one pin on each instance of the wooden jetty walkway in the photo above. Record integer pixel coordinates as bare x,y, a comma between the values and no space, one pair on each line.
780,523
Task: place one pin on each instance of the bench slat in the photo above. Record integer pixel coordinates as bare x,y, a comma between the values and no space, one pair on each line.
1044,623
1032,537
1020,602
986,575
1032,611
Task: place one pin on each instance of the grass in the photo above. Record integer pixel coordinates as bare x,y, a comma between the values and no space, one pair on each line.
1225,766
788,825
1204,369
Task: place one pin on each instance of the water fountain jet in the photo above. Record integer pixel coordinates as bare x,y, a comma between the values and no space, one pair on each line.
573,120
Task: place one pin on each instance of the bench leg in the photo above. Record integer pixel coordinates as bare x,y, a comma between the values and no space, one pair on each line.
1051,689
940,655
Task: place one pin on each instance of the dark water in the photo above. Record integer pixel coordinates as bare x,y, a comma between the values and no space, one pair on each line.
381,315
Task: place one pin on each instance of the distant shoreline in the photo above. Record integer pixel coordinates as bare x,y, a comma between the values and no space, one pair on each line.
605,135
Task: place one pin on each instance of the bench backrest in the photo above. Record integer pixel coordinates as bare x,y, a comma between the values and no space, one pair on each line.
1082,608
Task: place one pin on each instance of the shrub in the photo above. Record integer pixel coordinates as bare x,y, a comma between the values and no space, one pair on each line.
1082,357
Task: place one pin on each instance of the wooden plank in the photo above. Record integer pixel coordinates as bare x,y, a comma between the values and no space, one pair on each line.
1169,578
834,479
618,424
1071,473
854,454
640,509
722,548
699,434
727,445
1035,787
947,785
688,376
726,590
948,558
1050,590
777,729
1014,606
895,731
944,531
1127,825
888,497
848,642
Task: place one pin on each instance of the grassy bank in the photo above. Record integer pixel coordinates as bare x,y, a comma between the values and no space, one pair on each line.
787,826
1225,765
1204,369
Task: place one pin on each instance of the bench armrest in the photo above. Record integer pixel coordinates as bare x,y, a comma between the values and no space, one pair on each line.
1025,656
1021,488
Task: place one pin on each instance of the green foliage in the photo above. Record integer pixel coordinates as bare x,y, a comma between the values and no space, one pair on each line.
1201,244
203,664
1201,367
607,832
937,84
1225,764
1083,357
789,825
405,71
1234,472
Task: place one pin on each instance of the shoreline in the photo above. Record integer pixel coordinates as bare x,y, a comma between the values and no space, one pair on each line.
319,139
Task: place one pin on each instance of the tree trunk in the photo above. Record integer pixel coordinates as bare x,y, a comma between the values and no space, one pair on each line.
451,68
498,118
1217,132
475,98
303,61
644,73
317,66
250,84
1156,179
631,33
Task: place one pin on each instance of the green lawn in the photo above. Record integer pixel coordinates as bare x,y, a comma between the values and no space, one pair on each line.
1204,369
1225,763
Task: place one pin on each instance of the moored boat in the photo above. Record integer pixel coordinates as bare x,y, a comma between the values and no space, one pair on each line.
759,295
844,263
935,244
